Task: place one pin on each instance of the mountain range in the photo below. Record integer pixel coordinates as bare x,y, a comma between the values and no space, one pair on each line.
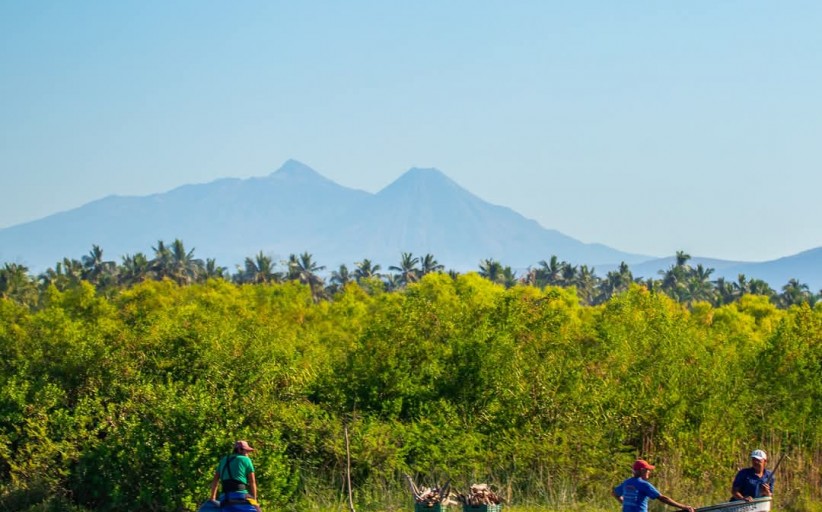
295,210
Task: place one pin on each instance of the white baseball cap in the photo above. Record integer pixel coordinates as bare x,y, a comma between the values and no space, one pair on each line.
759,454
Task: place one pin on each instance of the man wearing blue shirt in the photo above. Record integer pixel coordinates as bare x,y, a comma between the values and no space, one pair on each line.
755,481
635,492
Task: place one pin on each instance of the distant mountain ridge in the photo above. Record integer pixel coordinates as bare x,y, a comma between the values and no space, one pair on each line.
805,266
295,209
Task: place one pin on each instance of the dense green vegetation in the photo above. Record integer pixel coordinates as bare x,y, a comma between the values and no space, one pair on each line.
121,393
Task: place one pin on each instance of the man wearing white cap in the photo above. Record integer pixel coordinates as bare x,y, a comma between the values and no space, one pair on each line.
755,481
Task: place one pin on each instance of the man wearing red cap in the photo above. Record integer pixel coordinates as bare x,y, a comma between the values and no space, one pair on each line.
635,492
236,474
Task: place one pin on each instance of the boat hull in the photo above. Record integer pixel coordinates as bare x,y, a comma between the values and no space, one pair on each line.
757,505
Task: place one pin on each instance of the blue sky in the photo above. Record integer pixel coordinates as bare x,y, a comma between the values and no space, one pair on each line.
650,127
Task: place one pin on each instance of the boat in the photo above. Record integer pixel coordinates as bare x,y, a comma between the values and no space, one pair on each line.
212,507
755,505
236,503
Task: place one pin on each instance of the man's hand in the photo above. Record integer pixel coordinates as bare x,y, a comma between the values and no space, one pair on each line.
766,489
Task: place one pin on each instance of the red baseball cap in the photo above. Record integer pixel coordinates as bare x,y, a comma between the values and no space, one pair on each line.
242,445
641,464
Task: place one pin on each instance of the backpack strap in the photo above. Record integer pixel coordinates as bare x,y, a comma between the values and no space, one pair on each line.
230,484
228,467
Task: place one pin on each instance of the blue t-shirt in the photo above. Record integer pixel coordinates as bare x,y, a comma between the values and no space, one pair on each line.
749,483
635,494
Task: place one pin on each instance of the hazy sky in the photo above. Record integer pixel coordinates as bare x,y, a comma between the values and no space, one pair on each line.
650,127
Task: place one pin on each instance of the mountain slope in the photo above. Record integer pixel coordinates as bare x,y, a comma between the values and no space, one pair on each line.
424,211
227,219
805,266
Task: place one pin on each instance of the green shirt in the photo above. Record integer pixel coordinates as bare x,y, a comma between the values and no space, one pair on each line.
239,467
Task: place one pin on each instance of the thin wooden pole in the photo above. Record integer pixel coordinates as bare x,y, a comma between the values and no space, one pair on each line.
348,469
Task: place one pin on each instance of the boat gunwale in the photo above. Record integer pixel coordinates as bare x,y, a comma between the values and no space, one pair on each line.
734,504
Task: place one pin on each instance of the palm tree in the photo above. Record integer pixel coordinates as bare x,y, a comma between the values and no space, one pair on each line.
16,284
760,287
428,265
700,287
185,269
682,258
495,272
650,284
259,270
550,272
492,270
73,269
66,274
569,274
214,271
301,268
339,279
366,270
135,269
794,293
674,280
408,272
725,293
741,286
97,271
391,282
586,282
625,275
50,277
616,281
93,262
161,266
509,277
304,270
